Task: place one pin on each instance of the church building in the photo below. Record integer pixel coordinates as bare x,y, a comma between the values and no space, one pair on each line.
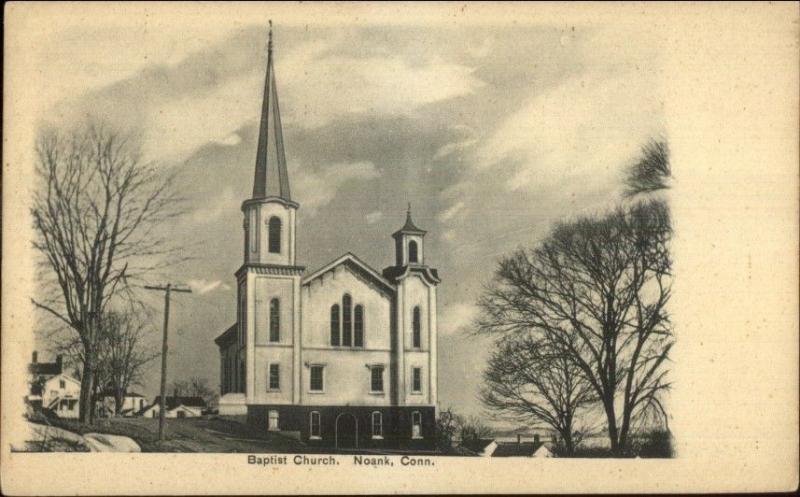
344,356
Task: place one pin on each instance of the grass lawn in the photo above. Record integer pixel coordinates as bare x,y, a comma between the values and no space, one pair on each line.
204,434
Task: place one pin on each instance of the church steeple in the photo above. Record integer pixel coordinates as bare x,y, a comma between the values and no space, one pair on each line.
271,178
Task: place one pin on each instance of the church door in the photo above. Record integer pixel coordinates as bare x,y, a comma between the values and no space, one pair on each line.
346,431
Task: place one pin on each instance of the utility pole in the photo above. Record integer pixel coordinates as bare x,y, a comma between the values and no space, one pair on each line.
167,289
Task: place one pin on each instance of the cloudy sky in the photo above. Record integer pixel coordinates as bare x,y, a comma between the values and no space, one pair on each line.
492,132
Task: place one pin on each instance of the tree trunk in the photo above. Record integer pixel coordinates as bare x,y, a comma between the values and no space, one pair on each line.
118,399
85,406
613,434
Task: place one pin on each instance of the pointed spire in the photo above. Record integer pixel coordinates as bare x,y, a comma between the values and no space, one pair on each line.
409,227
271,177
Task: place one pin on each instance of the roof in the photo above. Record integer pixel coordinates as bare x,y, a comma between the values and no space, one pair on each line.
173,402
227,336
409,228
477,444
395,273
271,178
360,267
514,449
45,368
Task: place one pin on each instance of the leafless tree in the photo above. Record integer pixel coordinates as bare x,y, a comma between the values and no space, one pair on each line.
532,379
122,354
195,386
597,289
472,428
97,212
652,172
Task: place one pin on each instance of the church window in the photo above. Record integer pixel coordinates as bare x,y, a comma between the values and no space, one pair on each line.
335,325
347,320
316,425
274,377
377,425
358,326
274,320
241,377
274,234
317,379
416,380
412,251
416,424
416,328
376,379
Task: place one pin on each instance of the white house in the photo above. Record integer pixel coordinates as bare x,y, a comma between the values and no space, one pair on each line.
176,407
61,394
131,404
344,355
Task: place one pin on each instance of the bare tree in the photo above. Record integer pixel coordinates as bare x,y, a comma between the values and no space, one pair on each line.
96,212
652,172
446,429
472,428
195,386
529,378
597,289
122,355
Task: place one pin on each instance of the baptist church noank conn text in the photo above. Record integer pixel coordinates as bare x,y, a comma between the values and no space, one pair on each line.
357,460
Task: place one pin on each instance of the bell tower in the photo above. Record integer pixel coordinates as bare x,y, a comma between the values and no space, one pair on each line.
268,282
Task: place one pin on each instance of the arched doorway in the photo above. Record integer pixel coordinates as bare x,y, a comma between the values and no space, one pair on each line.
346,431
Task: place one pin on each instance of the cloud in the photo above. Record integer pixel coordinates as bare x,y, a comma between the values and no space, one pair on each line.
451,212
588,127
231,140
203,286
373,217
319,188
216,207
323,84
457,317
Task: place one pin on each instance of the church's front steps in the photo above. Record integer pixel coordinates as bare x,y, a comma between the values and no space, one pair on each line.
338,425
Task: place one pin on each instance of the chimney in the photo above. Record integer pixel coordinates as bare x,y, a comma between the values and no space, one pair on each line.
59,361
35,357
536,438
519,439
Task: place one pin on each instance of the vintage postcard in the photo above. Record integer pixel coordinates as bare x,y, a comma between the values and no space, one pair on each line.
367,248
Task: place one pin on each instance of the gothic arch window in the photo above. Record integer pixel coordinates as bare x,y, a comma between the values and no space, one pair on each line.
275,320
416,328
347,320
358,326
335,327
274,235
412,251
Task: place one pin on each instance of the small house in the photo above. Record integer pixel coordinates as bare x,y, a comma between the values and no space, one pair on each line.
176,407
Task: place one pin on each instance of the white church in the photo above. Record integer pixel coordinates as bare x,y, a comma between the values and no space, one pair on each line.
343,356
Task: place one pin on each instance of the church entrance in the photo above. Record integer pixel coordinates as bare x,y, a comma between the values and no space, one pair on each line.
346,431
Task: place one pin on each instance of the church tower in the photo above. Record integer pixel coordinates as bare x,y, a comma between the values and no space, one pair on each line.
414,361
269,280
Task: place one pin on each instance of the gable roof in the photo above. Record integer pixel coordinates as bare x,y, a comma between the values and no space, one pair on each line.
358,266
477,444
514,449
173,402
226,336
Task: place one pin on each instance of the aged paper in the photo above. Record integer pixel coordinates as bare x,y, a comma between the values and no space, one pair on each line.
482,127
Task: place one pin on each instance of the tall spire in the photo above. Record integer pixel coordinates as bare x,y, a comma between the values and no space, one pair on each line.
271,178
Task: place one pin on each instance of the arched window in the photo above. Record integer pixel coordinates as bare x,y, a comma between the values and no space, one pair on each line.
412,251
416,424
316,426
274,320
335,331
274,235
417,328
358,326
347,320
377,425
